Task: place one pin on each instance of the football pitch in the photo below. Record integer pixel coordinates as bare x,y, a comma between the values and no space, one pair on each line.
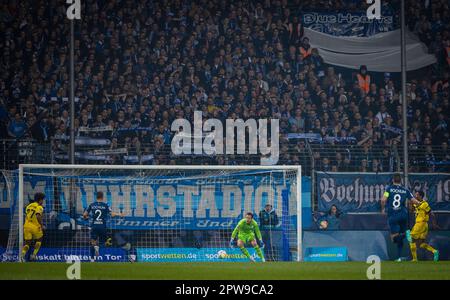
228,271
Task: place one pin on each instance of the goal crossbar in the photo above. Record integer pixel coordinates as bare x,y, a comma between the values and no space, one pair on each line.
161,167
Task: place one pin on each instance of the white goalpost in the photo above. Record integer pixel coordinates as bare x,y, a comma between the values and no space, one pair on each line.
166,213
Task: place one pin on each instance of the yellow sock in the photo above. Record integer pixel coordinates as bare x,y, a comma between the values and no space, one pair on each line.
413,250
427,247
25,250
37,246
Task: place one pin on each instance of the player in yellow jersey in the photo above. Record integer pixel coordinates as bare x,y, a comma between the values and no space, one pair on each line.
417,236
32,229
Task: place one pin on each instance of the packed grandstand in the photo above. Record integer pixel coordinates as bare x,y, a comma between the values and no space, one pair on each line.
139,65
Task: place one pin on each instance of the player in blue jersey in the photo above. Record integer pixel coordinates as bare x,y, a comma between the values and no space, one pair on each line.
98,212
394,203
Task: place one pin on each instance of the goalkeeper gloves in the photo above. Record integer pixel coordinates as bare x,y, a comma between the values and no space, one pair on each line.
232,243
261,244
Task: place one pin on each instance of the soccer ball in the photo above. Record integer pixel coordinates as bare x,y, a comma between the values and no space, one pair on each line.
324,224
222,254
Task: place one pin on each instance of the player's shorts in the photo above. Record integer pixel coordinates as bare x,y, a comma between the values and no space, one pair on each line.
419,231
32,232
398,223
99,234
246,238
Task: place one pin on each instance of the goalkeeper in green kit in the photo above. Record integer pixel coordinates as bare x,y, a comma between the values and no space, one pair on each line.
245,231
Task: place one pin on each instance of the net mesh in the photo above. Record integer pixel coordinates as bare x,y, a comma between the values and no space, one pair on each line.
165,214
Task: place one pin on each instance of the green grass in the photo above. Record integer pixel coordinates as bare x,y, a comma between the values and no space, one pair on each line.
214,271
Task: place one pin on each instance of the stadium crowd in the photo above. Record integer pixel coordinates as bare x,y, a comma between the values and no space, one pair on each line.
141,64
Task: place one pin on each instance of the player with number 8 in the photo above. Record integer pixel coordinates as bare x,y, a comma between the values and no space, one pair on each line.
394,203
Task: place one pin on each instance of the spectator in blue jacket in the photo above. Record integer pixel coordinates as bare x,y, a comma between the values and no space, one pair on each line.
17,127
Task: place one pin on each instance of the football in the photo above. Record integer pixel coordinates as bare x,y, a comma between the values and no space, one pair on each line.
324,224
222,254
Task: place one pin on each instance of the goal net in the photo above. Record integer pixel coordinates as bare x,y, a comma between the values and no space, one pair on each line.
165,213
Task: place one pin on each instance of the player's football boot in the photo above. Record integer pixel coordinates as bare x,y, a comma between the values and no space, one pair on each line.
408,236
32,257
436,255
252,259
263,259
399,259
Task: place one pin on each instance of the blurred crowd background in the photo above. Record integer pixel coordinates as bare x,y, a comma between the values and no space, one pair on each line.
139,65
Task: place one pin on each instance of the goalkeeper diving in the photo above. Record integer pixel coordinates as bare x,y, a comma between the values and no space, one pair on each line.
247,231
